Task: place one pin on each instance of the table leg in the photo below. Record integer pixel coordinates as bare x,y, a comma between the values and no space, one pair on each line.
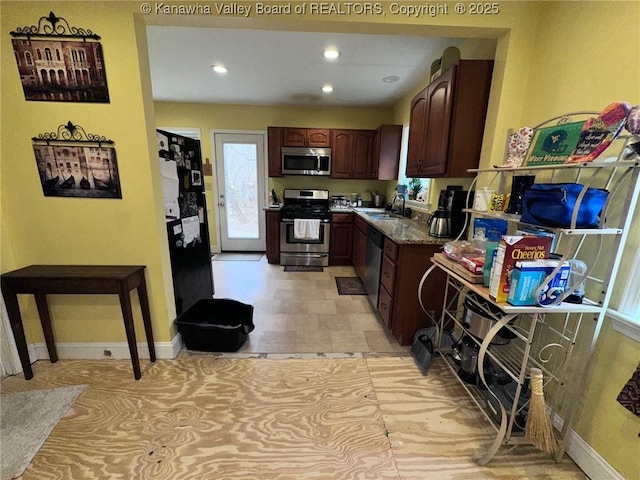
127,315
13,310
146,316
45,319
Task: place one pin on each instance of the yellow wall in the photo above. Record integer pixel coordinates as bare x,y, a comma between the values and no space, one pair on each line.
585,64
550,57
57,230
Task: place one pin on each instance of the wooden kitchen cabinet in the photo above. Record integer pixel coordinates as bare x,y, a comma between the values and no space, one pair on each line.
351,153
386,152
356,154
274,151
273,236
359,250
341,241
385,306
388,274
401,271
446,121
306,137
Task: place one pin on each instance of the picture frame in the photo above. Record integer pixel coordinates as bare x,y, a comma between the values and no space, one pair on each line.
72,163
196,178
60,63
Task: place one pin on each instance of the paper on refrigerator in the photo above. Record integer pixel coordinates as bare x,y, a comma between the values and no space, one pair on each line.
190,229
170,189
170,182
171,209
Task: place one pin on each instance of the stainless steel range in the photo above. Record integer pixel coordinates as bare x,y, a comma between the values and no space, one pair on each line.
305,227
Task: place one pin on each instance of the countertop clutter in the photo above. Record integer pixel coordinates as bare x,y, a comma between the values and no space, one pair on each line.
403,231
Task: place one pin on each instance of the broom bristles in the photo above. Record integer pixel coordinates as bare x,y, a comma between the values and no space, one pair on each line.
539,430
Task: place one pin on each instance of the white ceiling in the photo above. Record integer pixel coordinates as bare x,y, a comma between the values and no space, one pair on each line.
287,68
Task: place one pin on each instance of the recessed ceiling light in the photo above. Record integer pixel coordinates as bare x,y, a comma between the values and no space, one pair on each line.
327,89
219,68
391,79
331,53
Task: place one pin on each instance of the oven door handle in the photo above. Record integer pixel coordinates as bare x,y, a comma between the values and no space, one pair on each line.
290,220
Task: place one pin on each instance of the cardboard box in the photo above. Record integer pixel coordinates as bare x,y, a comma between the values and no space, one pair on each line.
512,249
540,232
527,278
489,228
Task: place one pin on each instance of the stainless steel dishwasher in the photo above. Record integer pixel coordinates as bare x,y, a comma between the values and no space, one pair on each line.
372,264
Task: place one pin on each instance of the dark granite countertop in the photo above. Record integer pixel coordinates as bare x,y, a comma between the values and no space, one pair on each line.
403,231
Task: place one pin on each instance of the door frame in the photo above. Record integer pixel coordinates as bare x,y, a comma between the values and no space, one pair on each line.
214,183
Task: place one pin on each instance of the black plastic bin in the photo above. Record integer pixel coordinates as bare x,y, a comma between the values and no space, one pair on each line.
216,325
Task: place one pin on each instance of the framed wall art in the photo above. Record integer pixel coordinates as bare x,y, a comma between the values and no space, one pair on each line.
72,163
60,63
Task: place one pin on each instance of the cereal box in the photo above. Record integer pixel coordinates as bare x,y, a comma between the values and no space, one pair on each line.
529,275
512,249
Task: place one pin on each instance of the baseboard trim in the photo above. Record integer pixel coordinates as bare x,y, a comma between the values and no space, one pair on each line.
589,461
107,350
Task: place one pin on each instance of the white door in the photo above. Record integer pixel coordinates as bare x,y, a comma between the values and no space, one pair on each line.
240,174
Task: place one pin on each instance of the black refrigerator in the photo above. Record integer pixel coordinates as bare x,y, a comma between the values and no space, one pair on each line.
186,218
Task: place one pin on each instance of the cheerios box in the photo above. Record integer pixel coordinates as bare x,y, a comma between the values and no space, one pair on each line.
529,275
512,249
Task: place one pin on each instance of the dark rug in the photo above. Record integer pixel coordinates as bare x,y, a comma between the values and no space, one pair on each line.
302,268
350,286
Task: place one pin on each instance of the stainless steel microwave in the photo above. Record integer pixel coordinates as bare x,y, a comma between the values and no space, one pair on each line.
306,161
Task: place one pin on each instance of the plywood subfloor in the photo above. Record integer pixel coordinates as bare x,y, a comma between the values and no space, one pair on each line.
207,417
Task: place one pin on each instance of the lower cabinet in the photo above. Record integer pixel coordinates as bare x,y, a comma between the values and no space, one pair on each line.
340,245
401,271
385,306
359,251
273,236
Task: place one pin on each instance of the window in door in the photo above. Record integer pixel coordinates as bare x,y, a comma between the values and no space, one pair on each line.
240,177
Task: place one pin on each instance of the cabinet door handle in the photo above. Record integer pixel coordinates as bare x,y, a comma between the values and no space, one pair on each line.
386,274
383,306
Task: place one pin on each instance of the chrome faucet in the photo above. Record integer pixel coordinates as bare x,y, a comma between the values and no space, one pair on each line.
393,207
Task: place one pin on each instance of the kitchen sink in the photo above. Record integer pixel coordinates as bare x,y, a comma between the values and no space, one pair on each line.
381,216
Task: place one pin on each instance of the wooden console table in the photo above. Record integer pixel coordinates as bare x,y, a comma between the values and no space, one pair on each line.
41,280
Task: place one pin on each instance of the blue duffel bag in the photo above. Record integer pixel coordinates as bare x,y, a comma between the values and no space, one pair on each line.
553,205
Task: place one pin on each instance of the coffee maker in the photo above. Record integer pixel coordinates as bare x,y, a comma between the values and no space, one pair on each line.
453,200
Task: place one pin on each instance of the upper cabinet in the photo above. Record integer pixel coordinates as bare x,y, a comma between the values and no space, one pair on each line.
306,137
386,152
351,153
355,154
447,120
274,151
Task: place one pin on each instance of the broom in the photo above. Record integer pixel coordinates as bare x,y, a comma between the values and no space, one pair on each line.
538,429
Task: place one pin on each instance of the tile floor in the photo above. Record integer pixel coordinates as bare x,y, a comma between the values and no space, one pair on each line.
302,312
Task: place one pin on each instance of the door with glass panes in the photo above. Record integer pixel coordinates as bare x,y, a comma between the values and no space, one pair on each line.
240,177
